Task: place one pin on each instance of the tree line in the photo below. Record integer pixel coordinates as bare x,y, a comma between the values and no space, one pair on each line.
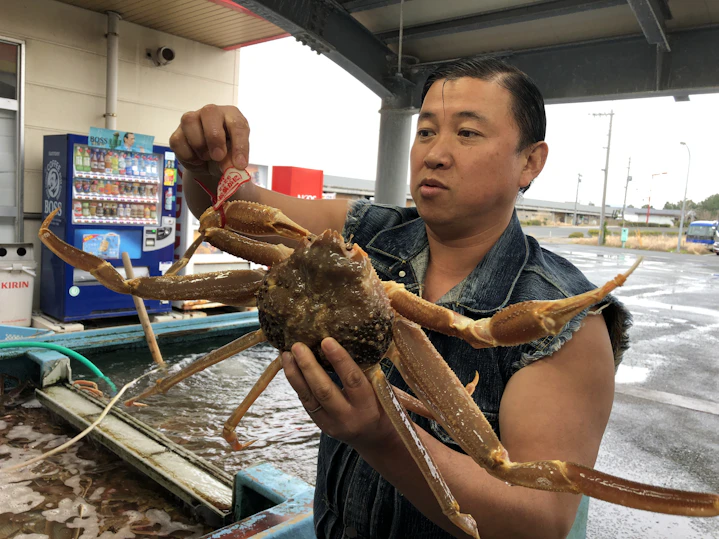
707,209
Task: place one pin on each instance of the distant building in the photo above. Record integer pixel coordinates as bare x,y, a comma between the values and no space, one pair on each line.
528,209
653,217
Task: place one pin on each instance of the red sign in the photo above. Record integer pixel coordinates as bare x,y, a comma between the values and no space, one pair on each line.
298,182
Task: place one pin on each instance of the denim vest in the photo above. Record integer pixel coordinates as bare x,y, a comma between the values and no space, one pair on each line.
351,498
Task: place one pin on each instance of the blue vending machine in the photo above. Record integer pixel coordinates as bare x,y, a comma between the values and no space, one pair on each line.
113,197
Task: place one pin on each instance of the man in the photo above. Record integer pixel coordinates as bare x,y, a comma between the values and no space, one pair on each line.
479,143
128,141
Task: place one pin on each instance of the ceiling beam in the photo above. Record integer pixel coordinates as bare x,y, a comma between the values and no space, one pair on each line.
500,17
325,27
354,6
615,68
651,16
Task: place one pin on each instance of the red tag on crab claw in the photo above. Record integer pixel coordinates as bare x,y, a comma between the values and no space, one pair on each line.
230,182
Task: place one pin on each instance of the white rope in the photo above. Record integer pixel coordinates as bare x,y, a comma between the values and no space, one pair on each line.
82,434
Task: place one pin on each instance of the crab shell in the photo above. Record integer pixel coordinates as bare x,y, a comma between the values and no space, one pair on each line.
326,288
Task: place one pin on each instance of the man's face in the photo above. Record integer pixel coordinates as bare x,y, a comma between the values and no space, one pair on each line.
129,140
465,168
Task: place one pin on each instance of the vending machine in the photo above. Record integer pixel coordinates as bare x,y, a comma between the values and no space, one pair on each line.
116,192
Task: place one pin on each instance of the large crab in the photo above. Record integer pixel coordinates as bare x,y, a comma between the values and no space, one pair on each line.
327,287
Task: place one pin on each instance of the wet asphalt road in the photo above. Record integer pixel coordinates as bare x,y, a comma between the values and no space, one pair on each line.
565,230
664,427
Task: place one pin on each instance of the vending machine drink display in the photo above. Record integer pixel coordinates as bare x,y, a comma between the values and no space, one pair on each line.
112,198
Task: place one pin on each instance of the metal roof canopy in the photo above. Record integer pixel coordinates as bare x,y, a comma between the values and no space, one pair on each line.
575,50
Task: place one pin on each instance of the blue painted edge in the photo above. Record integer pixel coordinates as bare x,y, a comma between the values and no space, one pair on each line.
292,517
270,482
47,360
41,367
110,337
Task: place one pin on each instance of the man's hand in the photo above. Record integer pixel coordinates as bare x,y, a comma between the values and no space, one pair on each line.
206,135
353,414
210,140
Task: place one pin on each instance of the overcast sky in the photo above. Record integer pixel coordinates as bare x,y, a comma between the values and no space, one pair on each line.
306,111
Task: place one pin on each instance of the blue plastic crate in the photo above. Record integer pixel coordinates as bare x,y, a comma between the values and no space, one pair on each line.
19,333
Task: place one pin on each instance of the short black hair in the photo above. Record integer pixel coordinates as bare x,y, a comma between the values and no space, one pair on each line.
527,100
127,135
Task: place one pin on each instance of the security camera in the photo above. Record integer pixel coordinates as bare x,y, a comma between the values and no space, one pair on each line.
162,56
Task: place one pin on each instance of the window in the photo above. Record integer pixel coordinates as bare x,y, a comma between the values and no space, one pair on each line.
8,70
11,140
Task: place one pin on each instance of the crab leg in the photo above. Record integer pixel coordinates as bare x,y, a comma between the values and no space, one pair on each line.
241,246
408,433
517,324
230,287
415,405
228,431
237,245
89,386
438,388
182,262
253,219
220,354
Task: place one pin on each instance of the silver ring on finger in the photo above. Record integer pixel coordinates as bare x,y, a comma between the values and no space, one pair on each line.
319,407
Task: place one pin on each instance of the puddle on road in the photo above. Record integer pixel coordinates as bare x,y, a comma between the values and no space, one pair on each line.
633,301
628,374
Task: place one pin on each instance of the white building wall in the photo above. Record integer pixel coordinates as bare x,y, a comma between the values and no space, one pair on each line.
65,70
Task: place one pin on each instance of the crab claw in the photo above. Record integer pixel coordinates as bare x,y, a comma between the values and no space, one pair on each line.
517,324
253,219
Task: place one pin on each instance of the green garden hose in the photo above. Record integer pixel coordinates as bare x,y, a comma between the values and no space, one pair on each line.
70,353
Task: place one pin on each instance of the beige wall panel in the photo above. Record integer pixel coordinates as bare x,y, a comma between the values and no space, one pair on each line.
170,90
67,68
70,112
33,189
148,120
55,22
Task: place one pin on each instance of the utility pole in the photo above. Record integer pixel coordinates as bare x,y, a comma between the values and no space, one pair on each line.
579,180
626,188
684,202
606,173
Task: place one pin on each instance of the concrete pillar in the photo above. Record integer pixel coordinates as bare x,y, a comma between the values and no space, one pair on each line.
395,136
113,63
